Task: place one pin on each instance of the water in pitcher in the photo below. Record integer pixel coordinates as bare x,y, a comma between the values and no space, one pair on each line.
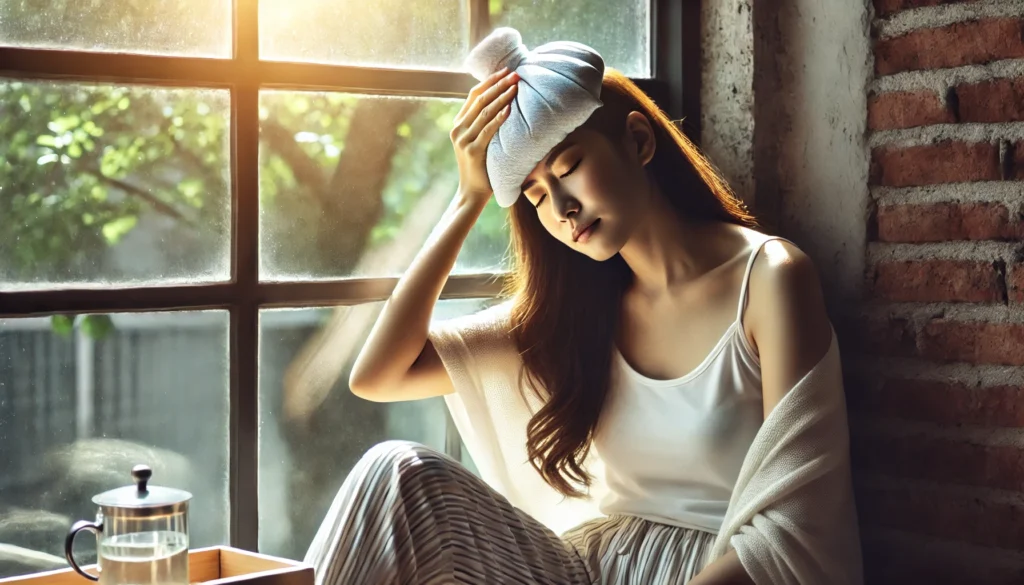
144,558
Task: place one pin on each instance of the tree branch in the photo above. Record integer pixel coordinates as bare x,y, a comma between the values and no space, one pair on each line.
282,142
146,196
354,197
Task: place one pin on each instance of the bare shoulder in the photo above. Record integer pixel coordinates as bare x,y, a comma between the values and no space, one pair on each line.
781,268
787,319
785,268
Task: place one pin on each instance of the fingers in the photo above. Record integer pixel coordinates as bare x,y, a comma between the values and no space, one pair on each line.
479,88
491,128
486,97
491,111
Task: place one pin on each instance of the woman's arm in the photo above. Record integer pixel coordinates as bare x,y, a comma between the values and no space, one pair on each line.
786,318
727,570
397,362
790,327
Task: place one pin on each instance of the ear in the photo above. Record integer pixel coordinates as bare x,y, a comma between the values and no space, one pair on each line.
640,137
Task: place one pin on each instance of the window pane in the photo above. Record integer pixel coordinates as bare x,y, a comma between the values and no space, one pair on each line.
109,185
312,429
352,185
183,27
79,406
398,33
618,29
393,33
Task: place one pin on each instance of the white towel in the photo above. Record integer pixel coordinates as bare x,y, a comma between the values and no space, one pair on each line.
559,88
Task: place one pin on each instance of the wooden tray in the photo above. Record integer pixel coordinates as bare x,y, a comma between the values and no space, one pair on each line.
218,565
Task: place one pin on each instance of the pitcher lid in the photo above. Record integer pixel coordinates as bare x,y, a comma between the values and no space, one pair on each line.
141,495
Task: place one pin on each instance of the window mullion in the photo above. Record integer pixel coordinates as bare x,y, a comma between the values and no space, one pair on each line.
244,443
479,21
36,303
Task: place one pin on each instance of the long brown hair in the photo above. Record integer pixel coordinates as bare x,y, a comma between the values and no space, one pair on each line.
565,306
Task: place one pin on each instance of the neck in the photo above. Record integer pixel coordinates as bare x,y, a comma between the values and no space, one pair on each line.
667,250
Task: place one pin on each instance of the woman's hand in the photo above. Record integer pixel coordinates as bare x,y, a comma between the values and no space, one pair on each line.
487,106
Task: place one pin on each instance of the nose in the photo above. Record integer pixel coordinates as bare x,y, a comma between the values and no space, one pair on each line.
565,205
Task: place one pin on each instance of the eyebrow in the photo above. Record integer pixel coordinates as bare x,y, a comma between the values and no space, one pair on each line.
555,152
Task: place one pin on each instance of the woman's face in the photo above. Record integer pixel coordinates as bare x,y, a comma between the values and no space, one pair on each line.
591,193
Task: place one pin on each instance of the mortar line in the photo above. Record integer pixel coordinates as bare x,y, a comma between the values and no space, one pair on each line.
927,17
927,135
940,80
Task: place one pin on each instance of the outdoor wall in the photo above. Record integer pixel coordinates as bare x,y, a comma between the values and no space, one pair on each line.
939,385
888,142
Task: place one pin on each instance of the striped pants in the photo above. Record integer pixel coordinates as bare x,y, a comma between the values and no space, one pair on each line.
409,515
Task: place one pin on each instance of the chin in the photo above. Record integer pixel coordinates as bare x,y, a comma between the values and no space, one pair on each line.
598,250
600,255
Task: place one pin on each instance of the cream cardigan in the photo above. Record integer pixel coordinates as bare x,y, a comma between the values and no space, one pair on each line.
791,518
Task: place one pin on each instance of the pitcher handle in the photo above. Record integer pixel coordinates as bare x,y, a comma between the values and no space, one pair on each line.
94,527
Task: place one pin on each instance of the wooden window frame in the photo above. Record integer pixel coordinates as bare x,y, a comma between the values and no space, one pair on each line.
675,53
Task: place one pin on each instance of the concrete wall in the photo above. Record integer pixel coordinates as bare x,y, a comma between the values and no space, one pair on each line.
813,65
727,86
784,92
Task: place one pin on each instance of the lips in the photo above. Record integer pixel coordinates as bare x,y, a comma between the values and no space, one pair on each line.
584,231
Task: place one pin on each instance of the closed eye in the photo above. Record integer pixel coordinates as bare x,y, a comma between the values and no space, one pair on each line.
566,174
570,171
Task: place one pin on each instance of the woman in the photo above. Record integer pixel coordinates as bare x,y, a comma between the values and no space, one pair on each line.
650,334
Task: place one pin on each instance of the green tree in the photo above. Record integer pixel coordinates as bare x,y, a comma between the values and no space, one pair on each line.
84,165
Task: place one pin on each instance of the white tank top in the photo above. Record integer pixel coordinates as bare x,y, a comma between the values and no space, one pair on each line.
672,449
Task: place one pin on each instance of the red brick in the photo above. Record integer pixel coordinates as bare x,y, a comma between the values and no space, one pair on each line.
1016,171
973,341
996,100
947,461
890,337
963,43
1015,283
941,222
902,559
887,7
906,109
945,162
937,281
963,518
945,403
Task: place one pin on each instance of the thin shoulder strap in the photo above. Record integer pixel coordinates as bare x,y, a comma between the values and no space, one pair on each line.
746,275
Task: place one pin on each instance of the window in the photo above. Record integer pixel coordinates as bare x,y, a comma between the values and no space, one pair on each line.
202,206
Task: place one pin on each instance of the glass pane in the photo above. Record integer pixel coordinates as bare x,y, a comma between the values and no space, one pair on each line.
200,28
393,33
80,405
618,29
110,185
312,429
352,185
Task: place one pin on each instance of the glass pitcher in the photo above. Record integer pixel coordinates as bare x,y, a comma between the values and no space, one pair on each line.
141,533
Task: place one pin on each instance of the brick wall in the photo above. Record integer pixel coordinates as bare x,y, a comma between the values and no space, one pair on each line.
936,382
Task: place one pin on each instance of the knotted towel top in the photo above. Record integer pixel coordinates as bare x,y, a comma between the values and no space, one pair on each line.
559,88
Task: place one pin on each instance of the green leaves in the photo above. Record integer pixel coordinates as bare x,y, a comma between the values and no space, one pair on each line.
114,230
63,325
97,327
82,165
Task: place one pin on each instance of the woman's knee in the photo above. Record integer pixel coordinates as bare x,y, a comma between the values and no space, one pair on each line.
395,451
405,459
